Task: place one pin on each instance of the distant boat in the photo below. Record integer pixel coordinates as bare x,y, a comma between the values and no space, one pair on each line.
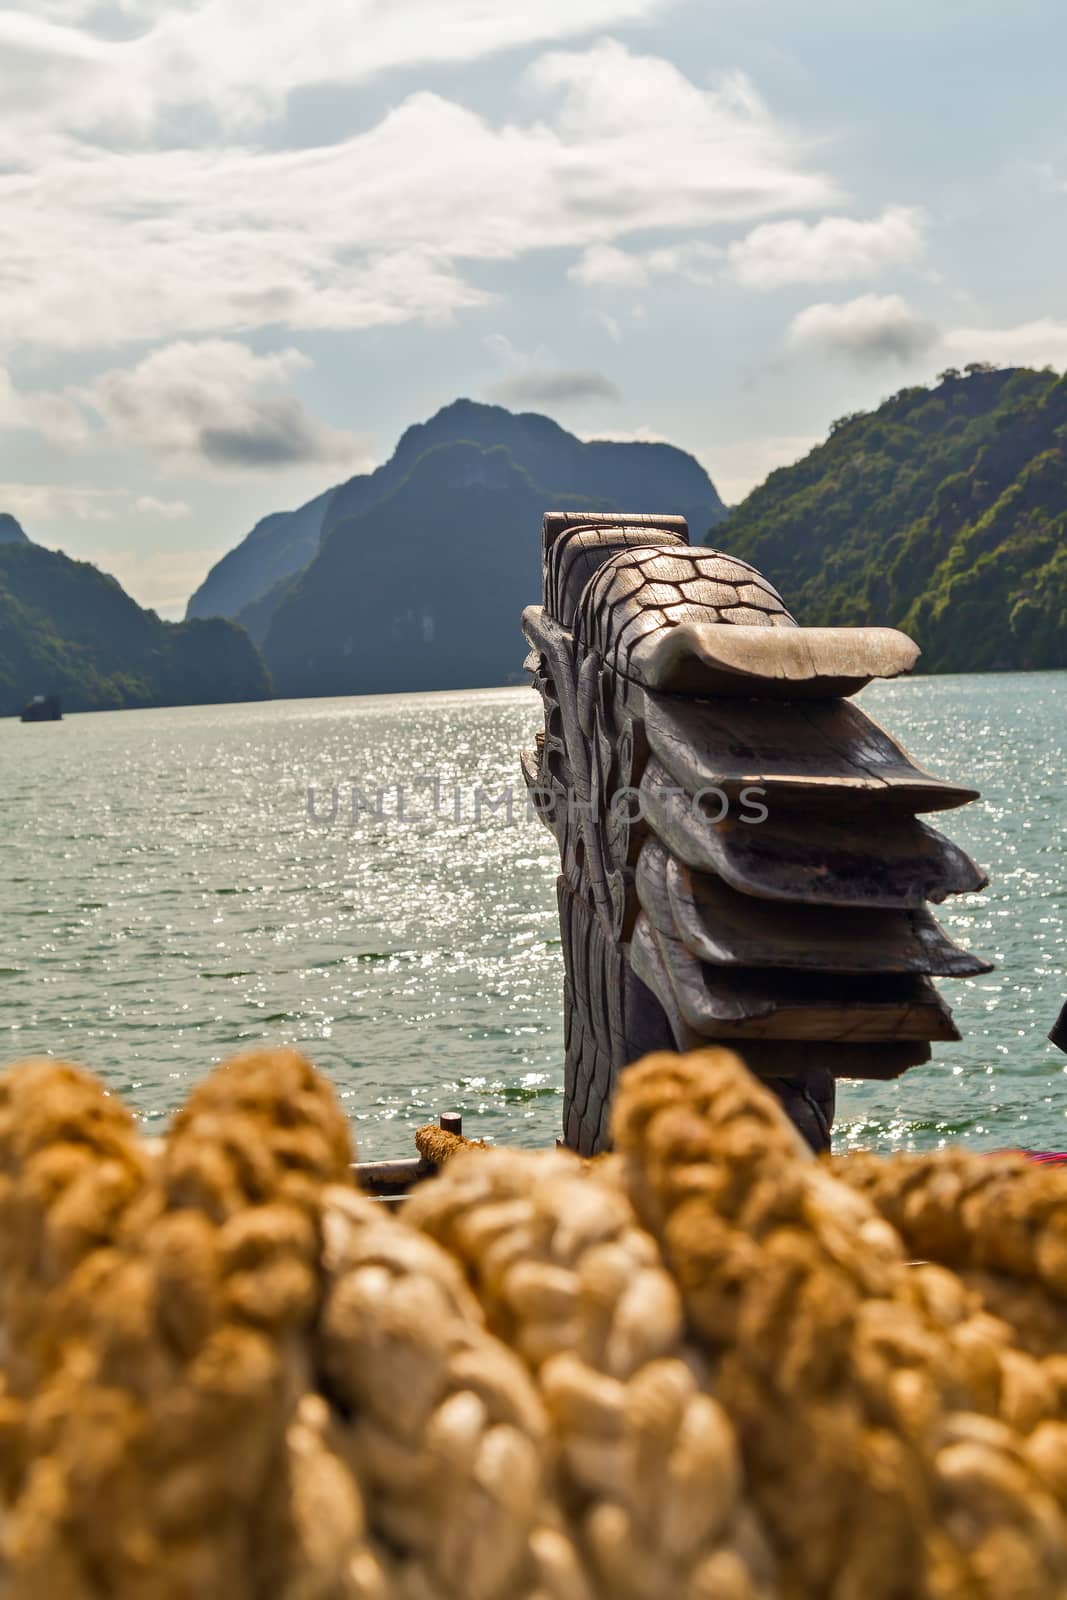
43,708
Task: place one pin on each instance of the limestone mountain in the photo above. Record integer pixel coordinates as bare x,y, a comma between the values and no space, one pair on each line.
943,512
632,474
68,629
249,582
423,589
278,546
10,531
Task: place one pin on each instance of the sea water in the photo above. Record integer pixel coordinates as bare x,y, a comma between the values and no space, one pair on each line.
360,878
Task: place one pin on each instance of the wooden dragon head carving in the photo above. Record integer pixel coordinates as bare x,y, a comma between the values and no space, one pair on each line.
741,855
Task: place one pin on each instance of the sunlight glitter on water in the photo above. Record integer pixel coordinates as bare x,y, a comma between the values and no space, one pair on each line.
165,899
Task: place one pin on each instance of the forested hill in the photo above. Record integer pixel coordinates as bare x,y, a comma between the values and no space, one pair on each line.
249,582
68,629
943,513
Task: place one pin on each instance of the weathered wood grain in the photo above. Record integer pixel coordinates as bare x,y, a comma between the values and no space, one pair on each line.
555,523
807,860
727,929
723,1003
578,553
804,754
737,656
646,594
802,937
594,976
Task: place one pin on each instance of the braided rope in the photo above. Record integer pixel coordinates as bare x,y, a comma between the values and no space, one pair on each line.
707,1366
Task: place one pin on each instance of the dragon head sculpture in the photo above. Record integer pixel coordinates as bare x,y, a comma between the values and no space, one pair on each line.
741,855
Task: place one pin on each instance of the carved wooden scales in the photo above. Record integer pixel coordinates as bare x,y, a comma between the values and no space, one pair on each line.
741,855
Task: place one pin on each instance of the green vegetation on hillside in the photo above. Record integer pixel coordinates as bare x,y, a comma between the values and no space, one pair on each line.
68,629
943,513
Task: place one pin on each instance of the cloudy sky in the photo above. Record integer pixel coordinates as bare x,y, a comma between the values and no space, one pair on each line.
242,246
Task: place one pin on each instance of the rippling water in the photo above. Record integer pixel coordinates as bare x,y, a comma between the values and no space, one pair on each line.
165,898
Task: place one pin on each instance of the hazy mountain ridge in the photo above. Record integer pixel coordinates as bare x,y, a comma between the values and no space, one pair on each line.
574,467
943,512
10,530
68,629
250,580
278,546
424,589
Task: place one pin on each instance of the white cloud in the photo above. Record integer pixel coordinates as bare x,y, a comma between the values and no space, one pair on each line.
642,434
237,63
211,401
547,386
11,407
695,260
1030,344
607,267
535,379
879,328
832,250
57,416
218,402
1047,176
104,245
168,510
869,330
38,502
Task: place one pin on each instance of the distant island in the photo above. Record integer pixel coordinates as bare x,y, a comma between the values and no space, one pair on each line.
409,577
943,513
70,630
414,576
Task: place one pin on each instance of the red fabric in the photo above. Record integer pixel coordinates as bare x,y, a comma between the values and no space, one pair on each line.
1057,1157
